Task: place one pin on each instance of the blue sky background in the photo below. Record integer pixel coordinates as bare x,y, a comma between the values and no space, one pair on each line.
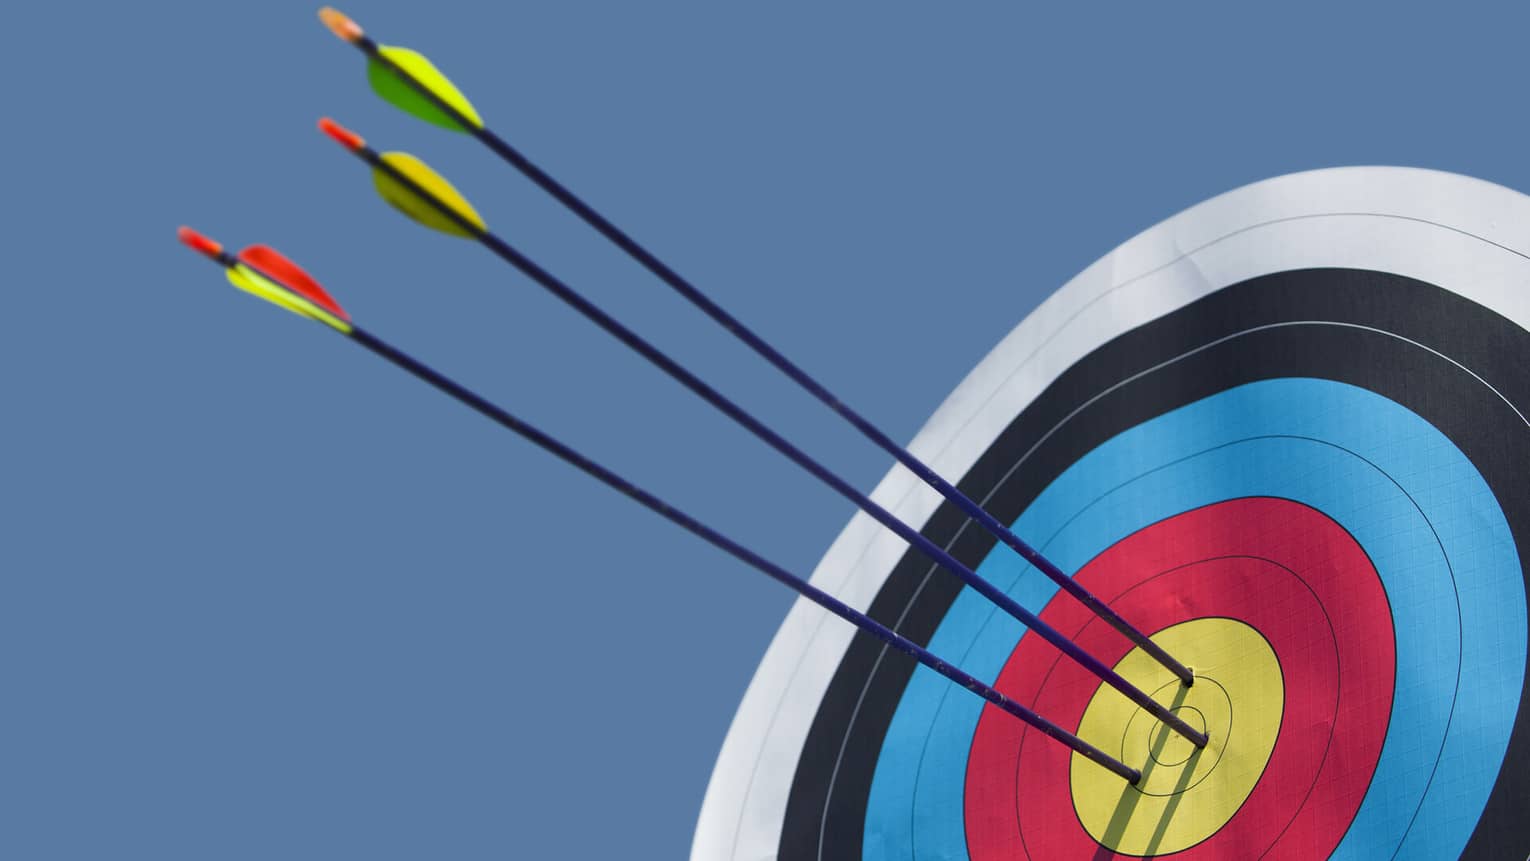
262,595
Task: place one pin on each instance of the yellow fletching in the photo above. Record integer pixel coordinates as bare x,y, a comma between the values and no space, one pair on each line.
413,205
255,284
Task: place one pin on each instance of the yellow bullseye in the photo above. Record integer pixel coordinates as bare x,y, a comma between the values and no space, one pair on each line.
1185,794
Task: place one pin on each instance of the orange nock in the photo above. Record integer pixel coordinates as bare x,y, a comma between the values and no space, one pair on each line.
340,25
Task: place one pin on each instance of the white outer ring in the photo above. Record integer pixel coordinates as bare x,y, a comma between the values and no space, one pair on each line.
1464,235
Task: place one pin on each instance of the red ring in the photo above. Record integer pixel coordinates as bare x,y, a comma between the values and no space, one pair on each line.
1283,568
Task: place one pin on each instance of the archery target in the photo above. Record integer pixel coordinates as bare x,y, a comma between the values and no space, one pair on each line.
1284,433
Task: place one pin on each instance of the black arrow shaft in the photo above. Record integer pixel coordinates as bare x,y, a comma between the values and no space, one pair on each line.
679,373
716,312
653,503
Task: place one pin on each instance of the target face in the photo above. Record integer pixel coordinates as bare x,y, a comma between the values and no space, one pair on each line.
1284,433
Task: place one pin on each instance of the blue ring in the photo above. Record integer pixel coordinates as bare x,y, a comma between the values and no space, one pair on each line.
1414,503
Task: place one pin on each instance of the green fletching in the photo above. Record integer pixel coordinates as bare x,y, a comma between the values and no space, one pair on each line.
393,89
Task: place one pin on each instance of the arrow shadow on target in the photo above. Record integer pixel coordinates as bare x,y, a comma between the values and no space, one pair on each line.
1131,795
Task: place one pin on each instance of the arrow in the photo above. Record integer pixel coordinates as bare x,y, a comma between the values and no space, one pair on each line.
406,79
416,181
409,81
280,281
263,272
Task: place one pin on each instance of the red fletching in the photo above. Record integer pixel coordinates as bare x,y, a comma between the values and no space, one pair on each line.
271,262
